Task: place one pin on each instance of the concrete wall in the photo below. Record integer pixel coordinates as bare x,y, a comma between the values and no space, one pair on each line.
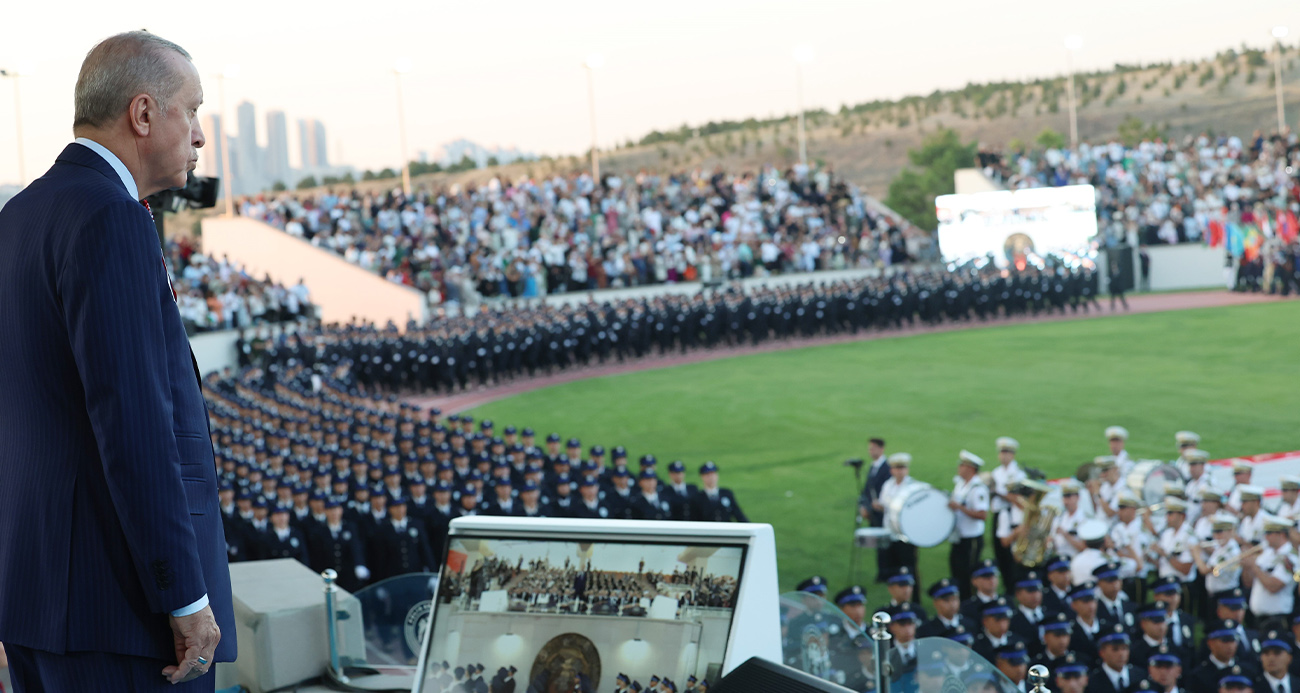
1186,266
638,647
342,290
973,180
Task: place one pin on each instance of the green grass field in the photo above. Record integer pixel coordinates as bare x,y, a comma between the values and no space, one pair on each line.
780,424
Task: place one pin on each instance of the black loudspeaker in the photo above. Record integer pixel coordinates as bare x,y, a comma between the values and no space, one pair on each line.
758,675
1120,267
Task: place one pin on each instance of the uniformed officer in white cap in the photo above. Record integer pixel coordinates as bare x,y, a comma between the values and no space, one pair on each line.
1117,438
1005,477
1250,527
1272,594
1065,525
1173,546
899,553
1197,481
1106,487
970,500
1289,507
1093,535
1224,548
1241,473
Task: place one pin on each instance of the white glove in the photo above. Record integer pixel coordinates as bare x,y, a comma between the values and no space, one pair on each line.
363,573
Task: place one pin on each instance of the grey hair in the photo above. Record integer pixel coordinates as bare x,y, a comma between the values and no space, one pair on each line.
119,68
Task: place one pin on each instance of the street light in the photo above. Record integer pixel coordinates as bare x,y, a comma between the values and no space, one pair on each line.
1279,33
401,67
1072,45
594,62
803,55
23,70
228,189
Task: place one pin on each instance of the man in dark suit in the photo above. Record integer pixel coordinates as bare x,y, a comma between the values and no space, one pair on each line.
112,557
877,475
715,504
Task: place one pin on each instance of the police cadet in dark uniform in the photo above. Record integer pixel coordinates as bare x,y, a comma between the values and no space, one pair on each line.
283,540
1178,623
1055,652
590,505
1231,605
1222,660
1151,634
1028,614
995,629
336,545
401,545
648,503
1117,607
680,495
1113,673
984,588
946,599
1087,627
715,504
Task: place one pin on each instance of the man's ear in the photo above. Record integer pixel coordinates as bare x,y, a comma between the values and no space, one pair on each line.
140,114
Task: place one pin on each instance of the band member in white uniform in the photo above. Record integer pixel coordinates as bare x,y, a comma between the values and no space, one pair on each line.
1197,481
1117,438
1241,473
1289,507
1130,539
1093,533
1005,477
1211,507
1185,440
1105,490
1065,526
901,553
970,500
1251,523
1174,545
1225,547
1273,594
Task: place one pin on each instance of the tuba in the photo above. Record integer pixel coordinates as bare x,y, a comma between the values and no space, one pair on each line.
1032,548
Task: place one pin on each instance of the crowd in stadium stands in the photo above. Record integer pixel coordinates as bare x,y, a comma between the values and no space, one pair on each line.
552,235
1166,191
217,294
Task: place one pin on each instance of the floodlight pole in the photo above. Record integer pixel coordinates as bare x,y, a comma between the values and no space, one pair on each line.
401,129
1279,32
803,137
591,107
1074,111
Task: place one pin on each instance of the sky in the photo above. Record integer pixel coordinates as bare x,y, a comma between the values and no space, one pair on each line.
511,73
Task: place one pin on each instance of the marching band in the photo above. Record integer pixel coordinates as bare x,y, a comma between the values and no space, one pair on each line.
1107,575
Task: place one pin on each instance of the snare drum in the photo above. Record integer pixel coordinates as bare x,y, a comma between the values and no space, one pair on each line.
919,515
1148,479
872,537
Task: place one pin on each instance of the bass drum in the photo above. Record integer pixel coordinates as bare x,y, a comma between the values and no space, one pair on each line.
1147,479
919,515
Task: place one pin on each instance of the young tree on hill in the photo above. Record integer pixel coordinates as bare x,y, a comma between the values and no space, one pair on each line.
912,191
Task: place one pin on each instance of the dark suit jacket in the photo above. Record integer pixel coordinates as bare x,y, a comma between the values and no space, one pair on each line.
875,482
1262,685
108,509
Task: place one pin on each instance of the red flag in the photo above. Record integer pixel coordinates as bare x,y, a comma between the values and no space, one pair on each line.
1216,233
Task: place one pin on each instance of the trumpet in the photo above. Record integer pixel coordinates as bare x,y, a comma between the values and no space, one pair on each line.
1239,558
